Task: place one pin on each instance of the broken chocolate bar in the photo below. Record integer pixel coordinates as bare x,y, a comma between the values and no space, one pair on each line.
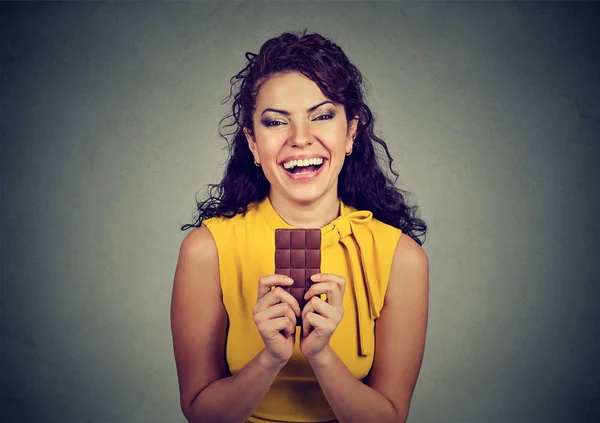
298,255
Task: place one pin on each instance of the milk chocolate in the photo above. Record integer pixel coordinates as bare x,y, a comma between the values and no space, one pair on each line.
298,255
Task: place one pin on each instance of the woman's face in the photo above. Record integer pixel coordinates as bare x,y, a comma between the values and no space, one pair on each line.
300,138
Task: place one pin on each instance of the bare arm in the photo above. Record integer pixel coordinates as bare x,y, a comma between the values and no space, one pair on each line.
208,392
400,342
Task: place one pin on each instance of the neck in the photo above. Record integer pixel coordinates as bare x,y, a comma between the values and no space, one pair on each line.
314,214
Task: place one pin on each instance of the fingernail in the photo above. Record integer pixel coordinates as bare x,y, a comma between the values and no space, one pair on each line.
314,277
289,280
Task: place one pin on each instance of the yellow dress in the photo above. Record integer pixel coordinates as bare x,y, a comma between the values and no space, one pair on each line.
355,246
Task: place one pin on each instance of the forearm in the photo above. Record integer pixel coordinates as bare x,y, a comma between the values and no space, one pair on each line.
351,400
233,399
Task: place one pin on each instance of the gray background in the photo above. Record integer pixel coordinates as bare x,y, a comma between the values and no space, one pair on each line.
109,129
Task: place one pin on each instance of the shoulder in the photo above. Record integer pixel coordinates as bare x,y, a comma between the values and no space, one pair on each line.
410,268
382,227
410,254
219,223
198,246
407,253
386,238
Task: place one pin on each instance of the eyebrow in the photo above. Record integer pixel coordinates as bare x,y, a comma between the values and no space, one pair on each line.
285,112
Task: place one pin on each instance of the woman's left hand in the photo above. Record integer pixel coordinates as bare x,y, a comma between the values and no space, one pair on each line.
321,318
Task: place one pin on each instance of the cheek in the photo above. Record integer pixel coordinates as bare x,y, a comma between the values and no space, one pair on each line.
335,139
269,142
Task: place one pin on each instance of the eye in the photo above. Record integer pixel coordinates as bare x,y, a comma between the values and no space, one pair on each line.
272,123
324,117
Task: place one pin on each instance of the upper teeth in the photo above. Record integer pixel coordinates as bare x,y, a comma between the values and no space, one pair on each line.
305,162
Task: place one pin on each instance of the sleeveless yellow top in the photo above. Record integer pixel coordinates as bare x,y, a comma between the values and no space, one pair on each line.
355,246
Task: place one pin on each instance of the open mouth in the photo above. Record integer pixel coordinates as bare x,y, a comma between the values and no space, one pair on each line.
301,169
304,169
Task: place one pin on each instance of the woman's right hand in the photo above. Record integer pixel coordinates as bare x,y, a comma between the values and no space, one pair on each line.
275,315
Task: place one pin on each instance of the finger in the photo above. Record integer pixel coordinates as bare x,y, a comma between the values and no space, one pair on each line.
277,310
277,295
318,306
290,329
265,283
273,327
286,325
292,317
330,289
308,308
330,277
328,311
306,328
319,322
322,308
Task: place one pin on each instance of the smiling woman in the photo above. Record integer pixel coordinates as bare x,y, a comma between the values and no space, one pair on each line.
294,123
303,154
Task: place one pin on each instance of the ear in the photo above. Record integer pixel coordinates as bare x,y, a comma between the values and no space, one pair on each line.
352,127
252,144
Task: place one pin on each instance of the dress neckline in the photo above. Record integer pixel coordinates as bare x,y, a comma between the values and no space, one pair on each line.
265,208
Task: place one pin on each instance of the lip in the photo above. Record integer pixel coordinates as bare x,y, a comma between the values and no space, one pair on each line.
303,177
302,157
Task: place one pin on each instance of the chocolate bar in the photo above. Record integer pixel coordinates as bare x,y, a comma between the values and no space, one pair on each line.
298,255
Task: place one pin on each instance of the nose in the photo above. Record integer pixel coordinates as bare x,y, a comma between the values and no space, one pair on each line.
300,136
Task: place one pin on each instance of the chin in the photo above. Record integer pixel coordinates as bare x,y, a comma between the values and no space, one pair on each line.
303,191
307,195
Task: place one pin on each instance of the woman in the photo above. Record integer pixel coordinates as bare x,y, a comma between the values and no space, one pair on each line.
302,154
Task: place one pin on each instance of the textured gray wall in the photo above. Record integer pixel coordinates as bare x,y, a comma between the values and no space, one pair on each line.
109,128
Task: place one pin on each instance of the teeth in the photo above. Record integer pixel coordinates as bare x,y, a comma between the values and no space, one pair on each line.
306,162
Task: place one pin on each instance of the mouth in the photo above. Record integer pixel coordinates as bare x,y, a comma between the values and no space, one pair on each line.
299,171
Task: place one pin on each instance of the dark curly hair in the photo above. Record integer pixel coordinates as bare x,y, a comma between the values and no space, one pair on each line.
362,182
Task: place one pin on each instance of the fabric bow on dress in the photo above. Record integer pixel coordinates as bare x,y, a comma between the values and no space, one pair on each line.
357,238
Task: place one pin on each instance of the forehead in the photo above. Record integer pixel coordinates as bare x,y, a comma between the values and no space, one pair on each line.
289,91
